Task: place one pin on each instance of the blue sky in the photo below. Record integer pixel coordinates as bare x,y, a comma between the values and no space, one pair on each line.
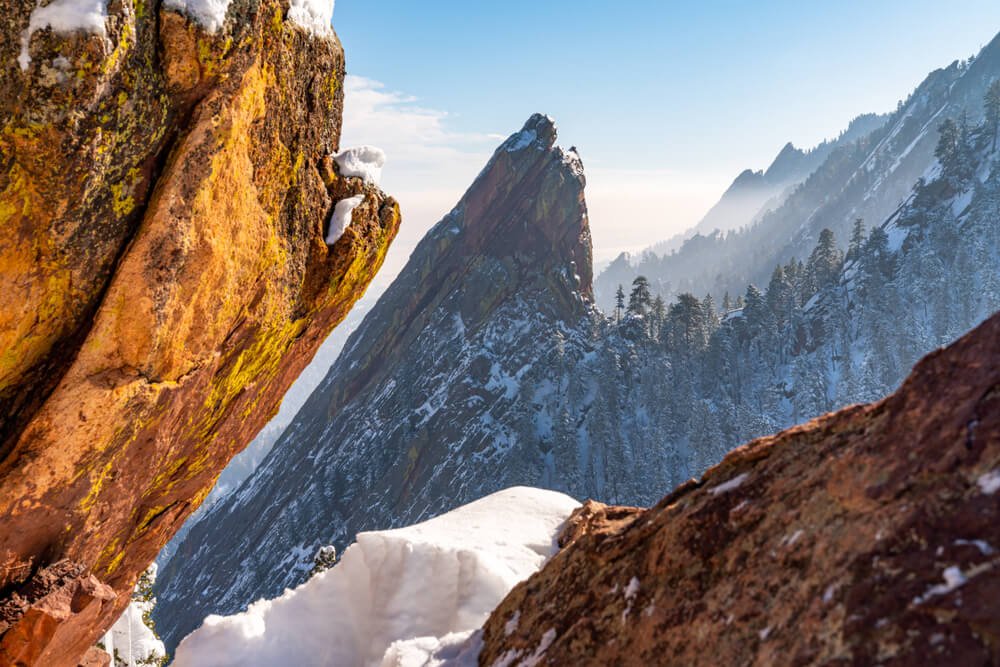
666,101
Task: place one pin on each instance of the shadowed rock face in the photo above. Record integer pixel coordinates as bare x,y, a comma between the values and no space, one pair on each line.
868,536
165,194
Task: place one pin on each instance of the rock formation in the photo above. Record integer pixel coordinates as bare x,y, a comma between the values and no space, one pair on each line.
515,248
165,190
868,536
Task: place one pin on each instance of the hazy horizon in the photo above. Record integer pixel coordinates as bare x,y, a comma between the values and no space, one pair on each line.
674,103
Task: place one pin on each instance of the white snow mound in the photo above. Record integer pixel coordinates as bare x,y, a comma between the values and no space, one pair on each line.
64,17
313,15
421,591
363,162
209,14
341,217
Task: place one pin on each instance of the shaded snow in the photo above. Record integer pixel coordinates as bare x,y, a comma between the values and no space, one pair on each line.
341,217
521,140
732,484
953,580
405,597
990,482
64,17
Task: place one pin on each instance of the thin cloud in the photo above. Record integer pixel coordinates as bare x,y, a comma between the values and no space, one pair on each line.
413,136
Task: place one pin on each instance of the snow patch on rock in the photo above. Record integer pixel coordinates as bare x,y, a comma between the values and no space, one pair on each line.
341,217
313,15
412,596
953,580
209,14
64,17
364,162
990,482
726,487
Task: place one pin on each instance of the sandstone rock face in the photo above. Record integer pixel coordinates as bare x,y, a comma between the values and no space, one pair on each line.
868,536
165,193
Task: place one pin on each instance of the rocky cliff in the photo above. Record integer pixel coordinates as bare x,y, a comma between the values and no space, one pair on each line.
868,536
165,187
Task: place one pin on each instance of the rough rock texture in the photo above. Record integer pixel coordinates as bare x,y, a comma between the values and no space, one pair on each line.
868,536
33,617
163,276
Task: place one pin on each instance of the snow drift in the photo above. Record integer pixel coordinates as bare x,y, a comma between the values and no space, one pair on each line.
412,596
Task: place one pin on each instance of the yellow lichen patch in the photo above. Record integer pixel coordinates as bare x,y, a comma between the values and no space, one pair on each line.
212,53
31,311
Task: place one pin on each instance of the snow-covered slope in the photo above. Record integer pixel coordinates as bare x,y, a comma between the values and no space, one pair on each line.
397,598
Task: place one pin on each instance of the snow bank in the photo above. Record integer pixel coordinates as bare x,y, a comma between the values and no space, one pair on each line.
210,14
363,162
64,17
398,598
130,640
341,217
313,15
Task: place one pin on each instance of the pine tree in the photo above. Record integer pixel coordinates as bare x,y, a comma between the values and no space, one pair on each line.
754,310
947,149
687,324
619,303
710,314
857,242
727,305
825,262
658,314
991,104
780,297
640,299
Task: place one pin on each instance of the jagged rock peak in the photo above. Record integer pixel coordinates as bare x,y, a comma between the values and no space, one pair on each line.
539,131
527,204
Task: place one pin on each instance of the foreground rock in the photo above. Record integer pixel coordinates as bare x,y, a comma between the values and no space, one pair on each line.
868,536
164,278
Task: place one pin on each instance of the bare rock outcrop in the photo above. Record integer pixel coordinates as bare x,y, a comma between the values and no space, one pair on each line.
868,536
165,191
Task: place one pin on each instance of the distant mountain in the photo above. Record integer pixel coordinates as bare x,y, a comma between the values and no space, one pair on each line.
865,175
486,365
755,192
